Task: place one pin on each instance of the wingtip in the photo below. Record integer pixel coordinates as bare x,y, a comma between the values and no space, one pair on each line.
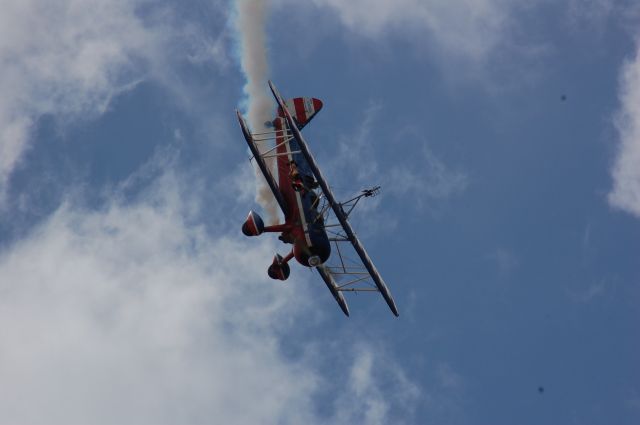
342,302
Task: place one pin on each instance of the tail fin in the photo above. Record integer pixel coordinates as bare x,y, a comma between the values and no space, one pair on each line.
303,109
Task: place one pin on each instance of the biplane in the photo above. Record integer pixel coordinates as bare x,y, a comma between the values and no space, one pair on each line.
314,221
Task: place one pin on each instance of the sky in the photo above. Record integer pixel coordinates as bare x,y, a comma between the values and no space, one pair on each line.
505,135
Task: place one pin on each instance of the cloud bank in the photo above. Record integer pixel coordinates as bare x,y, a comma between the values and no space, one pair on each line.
130,315
467,28
65,58
68,59
136,314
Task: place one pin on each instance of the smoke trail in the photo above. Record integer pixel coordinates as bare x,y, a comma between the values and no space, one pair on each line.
250,24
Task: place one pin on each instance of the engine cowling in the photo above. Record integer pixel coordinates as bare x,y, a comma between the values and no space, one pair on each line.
279,269
253,225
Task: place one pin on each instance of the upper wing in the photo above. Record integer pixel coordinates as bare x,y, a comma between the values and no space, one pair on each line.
336,207
258,156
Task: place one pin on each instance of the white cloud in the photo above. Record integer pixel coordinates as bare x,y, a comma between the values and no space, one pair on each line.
69,58
128,315
421,177
369,400
65,58
423,174
472,29
625,193
431,181
136,314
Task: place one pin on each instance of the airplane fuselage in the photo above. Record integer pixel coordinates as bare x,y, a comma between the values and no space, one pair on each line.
304,226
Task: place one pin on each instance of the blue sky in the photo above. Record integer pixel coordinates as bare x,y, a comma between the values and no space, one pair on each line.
505,135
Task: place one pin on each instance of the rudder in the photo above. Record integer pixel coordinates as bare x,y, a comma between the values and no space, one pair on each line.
303,109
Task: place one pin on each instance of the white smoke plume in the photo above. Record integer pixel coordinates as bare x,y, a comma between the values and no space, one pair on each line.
251,19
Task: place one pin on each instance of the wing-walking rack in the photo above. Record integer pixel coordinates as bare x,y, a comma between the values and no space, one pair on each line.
258,156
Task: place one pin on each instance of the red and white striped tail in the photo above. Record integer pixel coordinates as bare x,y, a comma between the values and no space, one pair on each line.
303,109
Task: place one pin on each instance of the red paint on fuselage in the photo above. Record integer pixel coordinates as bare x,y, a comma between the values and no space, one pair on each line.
304,228
292,215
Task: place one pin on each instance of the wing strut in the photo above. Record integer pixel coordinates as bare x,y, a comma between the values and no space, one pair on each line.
337,209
